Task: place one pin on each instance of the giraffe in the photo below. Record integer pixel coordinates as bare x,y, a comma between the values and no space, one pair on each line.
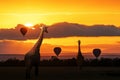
80,57
32,57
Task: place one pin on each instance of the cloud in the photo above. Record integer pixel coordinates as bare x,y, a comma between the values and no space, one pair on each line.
15,34
14,47
70,29
62,29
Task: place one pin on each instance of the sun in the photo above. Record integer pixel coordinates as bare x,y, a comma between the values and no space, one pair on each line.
29,25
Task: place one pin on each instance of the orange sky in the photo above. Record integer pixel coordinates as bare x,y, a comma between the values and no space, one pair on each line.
68,45
88,12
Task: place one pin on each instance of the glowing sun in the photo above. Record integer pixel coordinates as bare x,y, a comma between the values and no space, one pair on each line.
29,25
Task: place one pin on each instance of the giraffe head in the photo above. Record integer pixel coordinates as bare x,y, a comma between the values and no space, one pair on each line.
79,42
44,28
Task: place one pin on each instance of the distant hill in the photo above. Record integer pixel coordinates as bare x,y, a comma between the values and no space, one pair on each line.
65,29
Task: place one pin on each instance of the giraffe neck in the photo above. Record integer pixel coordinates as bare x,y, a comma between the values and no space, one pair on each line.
79,49
39,42
37,45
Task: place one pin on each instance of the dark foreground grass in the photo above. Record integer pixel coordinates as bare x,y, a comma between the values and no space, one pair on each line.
62,73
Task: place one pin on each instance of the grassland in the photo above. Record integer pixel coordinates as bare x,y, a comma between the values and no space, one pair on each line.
62,73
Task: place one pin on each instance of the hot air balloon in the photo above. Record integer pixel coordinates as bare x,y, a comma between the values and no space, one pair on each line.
23,31
96,52
57,50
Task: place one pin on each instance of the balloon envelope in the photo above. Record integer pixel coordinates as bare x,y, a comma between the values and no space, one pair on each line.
96,52
57,50
23,31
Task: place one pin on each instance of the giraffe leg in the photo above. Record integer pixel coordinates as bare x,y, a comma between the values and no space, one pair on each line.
28,70
36,71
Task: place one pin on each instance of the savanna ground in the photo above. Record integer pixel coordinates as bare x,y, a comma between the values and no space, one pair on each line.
62,73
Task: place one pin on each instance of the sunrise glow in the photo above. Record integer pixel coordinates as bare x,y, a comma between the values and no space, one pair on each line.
87,12
59,39
28,24
49,12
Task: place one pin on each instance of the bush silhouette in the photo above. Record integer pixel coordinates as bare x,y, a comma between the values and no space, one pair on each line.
65,62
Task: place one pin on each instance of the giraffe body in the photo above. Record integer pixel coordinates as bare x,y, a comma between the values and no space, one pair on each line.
80,57
32,58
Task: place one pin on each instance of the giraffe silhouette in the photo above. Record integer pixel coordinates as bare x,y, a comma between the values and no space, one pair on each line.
80,57
32,58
